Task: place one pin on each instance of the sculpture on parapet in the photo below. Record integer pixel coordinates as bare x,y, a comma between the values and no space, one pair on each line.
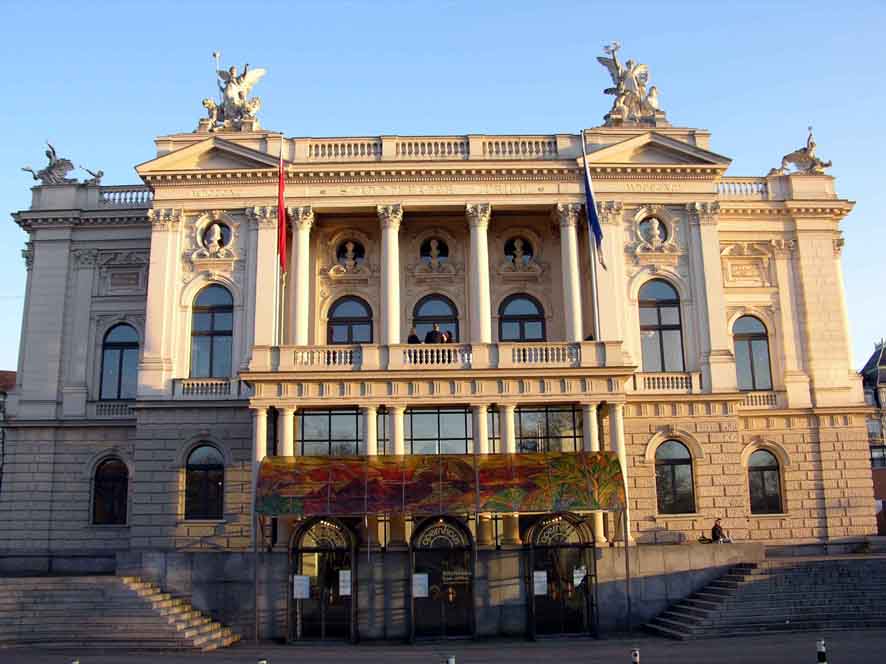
96,176
804,160
633,104
55,171
235,110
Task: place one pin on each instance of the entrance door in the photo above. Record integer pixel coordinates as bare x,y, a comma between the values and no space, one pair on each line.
443,590
562,578
322,585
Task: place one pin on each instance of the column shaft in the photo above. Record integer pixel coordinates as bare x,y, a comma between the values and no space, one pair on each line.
287,431
390,217
481,316
480,424
259,448
568,216
617,441
302,222
591,440
510,522
395,413
370,430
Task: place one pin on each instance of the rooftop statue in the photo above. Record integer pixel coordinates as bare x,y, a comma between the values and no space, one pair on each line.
803,159
55,170
235,110
633,103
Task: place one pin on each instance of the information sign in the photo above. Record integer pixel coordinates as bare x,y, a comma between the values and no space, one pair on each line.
540,582
301,587
419,585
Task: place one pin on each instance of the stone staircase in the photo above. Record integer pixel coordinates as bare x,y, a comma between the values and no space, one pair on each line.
783,594
103,612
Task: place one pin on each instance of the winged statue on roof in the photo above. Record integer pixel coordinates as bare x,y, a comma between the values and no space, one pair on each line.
633,102
236,110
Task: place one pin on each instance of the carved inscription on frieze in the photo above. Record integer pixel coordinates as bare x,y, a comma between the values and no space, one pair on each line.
653,187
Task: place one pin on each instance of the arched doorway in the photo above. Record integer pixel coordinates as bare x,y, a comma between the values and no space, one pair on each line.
562,578
321,603
442,580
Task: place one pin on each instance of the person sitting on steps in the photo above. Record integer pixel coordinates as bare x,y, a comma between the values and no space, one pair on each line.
718,535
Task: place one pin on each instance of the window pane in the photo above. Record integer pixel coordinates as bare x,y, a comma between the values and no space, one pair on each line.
670,316
224,322
344,426
122,334
350,309
221,357
362,333
110,368
452,328
657,290
200,357
510,331
214,296
651,351
205,455
424,425
129,379
664,489
533,331
202,322
435,307
673,350
454,447
424,446
315,426
339,334
684,500
531,424
315,448
648,316
762,458
560,423
743,365
344,448
748,325
453,425
672,450
520,307
760,350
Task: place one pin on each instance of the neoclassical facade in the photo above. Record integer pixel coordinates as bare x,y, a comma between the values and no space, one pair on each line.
162,357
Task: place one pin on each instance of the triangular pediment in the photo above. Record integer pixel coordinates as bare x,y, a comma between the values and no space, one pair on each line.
654,148
211,154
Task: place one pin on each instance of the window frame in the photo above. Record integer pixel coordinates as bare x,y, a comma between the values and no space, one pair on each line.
660,327
671,465
748,338
121,347
97,493
878,458
452,320
204,513
522,319
543,442
349,321
764,471
213,310
359,435
409,439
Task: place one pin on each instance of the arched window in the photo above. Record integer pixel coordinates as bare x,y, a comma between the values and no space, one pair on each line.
211,333
764,482
119,363
521,318
109,493
661,333
673,478
204,483
350,322
435,309
752,354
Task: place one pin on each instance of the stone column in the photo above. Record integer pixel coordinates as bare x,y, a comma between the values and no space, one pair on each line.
717,360
370,437
390,216
395,426
617,441
481,316
591,440
302,221
510,522
259,447
480,426
287,432
568,216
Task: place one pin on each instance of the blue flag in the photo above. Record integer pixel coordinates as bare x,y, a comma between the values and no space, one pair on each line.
594,227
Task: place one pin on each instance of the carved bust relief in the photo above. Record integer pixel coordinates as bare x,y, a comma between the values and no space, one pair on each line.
520,255
655,232
348,257
435,251
212,242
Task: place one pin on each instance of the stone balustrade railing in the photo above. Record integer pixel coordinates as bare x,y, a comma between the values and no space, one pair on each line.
743,189
520,147
350,149
209,389
429,148
125,196
668,383
110,410
399,357
760,400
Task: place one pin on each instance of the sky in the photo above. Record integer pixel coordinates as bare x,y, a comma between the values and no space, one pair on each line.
101,80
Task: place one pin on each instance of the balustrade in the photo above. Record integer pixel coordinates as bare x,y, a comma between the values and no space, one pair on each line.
440,356
365,149
432,148
539,355
760,400
750,189
112,410
673,383
520,147
125,197
209,388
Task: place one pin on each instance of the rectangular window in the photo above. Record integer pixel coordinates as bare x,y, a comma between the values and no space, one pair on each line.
548,429
438,431
743,365
878,456
129,378
760,351
493,426
329,432
110,373
651,346
385,445
200,357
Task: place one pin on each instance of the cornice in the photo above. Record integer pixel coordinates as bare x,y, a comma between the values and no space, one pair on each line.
63,218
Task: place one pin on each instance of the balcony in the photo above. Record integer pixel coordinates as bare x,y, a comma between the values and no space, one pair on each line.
209,389
668,383
412,357
110,410
767,399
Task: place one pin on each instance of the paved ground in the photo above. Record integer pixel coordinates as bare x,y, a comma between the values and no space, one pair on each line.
843,648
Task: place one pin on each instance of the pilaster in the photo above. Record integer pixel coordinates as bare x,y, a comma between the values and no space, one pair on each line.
568,215
611,287
796,381
74,392
263,223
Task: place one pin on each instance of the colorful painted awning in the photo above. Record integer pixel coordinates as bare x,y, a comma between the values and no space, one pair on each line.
433,484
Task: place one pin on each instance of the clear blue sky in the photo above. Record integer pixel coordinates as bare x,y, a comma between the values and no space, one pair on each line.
100,80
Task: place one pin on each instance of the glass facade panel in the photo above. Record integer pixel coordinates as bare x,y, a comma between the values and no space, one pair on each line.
548,429
333,432
438,431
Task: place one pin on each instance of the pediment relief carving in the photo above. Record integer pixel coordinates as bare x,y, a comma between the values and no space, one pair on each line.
746,264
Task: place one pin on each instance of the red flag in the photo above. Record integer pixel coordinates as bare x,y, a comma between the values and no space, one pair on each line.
281,214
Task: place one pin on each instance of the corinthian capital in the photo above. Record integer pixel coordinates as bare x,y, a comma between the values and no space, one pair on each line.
568,214
164,218
302,217
85,258
610,212
478,214
703,213
263,216
390,216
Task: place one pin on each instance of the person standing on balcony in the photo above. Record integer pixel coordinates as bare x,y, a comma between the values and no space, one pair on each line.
434,336
413,337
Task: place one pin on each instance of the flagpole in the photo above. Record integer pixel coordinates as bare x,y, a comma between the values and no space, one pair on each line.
595,295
